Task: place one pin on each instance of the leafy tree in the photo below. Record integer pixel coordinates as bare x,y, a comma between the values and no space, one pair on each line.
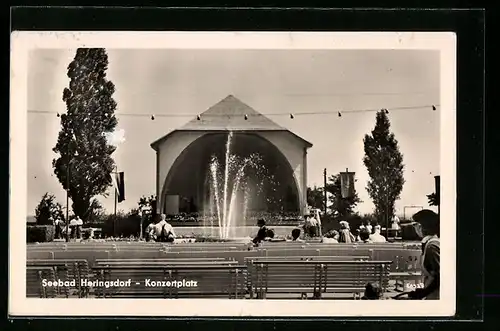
384,163
84,152
145,201
316,197
48,208
433,199
96,213
340,207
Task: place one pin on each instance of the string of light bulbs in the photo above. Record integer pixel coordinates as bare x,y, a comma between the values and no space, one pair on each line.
339,113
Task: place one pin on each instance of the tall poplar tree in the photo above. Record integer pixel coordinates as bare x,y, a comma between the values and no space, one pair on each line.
83,151
384,163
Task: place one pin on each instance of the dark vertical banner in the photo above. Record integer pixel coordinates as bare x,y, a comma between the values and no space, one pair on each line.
120,180
438,188
347,184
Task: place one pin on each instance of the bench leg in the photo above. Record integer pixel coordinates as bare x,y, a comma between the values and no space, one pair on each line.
317,295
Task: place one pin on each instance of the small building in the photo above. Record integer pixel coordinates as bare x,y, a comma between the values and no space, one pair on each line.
185,180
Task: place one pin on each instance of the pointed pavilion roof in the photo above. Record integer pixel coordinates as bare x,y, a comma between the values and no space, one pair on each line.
229,115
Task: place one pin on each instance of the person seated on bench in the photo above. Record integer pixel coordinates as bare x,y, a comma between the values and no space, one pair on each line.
262,233
331,237
148,232
345,235
357,238
163,231
296,235
377,237
364,235
167,233
430,260
372,292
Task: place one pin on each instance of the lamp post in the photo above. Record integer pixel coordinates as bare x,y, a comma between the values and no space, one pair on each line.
67,199
68,174
325,197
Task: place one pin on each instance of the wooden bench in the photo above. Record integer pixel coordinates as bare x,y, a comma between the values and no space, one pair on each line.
315,277
68,269
251,261
352,276
201,259
217,279
406,268
34,287
309,258
284,277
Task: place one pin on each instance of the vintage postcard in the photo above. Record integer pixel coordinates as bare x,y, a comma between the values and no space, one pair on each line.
232,174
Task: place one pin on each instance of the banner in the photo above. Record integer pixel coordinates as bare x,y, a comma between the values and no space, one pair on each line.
120,183
347,184
438,188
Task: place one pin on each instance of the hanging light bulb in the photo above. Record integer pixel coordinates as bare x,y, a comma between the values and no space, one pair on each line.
58,115
198,117
339,114
152,117
246,117
433,107
291,116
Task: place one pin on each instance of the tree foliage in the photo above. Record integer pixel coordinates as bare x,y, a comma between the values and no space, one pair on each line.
316,197
48,210
384,163
145,201
340,207
82,148
433,199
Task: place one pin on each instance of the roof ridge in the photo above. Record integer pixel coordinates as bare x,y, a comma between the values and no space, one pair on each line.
231,113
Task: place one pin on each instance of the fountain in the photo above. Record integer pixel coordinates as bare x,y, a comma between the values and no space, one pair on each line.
229,191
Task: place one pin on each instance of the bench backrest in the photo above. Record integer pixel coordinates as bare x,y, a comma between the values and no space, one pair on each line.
317,275
34,277
354,274
309,258
220,279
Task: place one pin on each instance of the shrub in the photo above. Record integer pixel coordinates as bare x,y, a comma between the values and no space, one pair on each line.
123,225
48,208
40,233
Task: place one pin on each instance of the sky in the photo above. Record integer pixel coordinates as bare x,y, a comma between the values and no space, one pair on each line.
270,81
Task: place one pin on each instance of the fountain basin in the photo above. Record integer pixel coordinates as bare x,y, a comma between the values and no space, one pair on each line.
237,233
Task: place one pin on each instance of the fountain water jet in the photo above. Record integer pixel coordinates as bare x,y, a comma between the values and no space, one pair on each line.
233,171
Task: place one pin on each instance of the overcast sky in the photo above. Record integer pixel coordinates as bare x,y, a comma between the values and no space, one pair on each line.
190,81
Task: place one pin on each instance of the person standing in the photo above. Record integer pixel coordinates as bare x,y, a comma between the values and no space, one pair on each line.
369,227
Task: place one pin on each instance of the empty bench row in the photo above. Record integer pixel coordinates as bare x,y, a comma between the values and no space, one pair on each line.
220,278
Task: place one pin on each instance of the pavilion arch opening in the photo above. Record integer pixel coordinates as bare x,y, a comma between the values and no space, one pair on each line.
205,175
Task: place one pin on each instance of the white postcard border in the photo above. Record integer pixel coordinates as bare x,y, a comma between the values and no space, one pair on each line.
22,42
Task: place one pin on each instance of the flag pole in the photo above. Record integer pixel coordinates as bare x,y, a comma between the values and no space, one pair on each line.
324,189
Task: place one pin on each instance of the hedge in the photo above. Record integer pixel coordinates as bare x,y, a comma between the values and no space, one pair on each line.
40,233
